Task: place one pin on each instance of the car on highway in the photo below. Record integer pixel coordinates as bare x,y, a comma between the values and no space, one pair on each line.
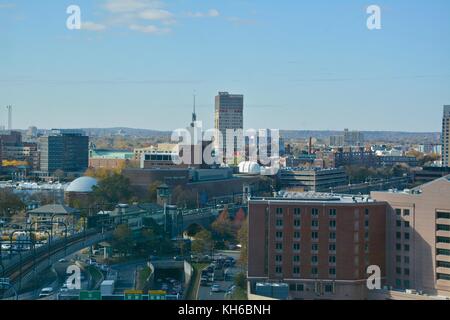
215,288
45,292
62,260
204,281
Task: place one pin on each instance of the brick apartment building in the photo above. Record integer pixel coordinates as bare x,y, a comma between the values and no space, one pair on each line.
319,244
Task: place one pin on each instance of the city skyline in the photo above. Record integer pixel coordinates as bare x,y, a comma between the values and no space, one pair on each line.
136,63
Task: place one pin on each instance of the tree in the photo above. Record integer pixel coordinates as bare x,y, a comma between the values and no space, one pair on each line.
239,219
153,190
241,281
223,227
184,197
113,189
10,203
243,241
123,239
203,242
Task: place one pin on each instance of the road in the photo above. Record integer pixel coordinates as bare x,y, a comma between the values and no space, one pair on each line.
126,273
205,293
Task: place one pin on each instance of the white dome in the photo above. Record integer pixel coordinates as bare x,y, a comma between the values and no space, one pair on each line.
83,184
249,167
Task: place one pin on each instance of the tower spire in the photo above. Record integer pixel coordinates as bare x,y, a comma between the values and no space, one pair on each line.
194,115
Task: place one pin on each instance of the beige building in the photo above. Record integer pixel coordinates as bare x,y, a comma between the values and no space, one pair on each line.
418,237
446,136
229,114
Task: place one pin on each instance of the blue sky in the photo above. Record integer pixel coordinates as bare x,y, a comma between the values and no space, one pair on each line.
300,64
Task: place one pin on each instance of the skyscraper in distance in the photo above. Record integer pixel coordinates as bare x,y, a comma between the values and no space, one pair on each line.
446,136
229,114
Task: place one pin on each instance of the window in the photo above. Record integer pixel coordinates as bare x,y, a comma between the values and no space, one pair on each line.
296,258
279,211
278,258
300,287
398,212
407,284
406,271
407,236
406,260
443,239
315,212
444,252
314,235
398,235
314,259
406,247
296,270
398,270
332,271
399,223
406,224
332,247
443,215
279,223
315,223
398,259
442,227
297,223
332,212
332,259
296,235
279,246
296,246
442,276
333,224
279,234
315,247
297,211
398,246
332,235
366,212
329,288
278,269
443,264
314,271
406,212
366,223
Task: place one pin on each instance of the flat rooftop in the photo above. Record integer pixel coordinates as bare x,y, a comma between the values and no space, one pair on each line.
318,197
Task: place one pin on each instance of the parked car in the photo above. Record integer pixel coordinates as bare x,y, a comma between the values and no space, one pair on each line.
204,281
215,288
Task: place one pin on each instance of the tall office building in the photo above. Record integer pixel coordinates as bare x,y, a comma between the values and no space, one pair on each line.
66,150
229,114
446,137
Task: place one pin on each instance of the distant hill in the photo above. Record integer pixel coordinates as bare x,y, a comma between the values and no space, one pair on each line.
370,136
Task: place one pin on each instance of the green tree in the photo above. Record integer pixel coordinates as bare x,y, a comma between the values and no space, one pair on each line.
113,189
123,239
241,281
10,204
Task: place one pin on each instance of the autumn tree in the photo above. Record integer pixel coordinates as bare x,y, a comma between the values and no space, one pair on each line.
243,241
203,242
223,227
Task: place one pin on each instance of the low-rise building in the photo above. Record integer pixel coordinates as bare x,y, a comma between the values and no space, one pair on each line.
312,179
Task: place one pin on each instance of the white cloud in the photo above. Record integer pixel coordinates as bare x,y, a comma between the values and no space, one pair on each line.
92,26
213,13
151,29
121,6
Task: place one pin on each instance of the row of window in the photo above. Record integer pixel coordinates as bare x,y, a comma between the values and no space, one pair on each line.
406,235
399,223
406,247
314,246
315,212
314,259
406,212
443,252
314,223
399,259
314,271
405,271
